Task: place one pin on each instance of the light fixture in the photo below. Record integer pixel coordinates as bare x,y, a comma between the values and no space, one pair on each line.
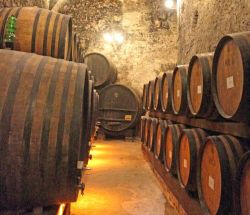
108,37
169,4
119,38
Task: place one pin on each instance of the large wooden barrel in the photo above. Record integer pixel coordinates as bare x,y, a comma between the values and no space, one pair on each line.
217,165
144,96
157,93
243,185
119,109
95,108
152,134
143,126
41,129
166,96
231,76
103,70
74,48
187,157
171,139
179,90
147,130
39,31
150,95
160,132
200,99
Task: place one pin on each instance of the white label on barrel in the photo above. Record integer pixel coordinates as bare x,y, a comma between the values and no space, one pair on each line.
211,182
185,163
230,82
128,117
79,164
199,89
170,154
178,93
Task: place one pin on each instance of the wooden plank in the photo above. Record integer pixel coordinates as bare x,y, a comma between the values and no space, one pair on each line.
178,197
225,127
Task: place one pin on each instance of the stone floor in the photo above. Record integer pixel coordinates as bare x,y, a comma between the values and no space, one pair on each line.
120,182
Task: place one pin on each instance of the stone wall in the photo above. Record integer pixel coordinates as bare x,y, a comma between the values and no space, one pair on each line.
203,22
150,35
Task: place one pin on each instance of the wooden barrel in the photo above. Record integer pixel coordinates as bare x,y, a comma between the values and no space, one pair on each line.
103,70
143,125
39,31
88,124
187,157
152,134
171,139
217,165
157,93
95,107
179,90
150,95
166,95
41,129
160,132
231,78
200,99
144,96
119,109
147,130
243,185
74,48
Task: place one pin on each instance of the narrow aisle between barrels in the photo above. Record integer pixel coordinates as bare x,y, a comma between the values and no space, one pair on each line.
120,182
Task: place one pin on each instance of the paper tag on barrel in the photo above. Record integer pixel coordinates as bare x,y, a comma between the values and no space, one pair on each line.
230,82
128,117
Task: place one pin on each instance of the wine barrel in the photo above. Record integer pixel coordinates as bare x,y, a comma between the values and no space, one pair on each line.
144,96
152,134
88,125
150,95
231,78
143,125
74,48
179,90
41,129
160,131
103,70
171,139
39,31
119,109
217,163
166,96
187,157
200,99
147,130
157,93
95,108
243,185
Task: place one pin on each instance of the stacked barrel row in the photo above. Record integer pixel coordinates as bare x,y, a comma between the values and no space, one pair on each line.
43,32
212,84
48,111
203,162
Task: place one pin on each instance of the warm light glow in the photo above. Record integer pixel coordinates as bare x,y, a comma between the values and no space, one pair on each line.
61,209
108,37
169,4
119,38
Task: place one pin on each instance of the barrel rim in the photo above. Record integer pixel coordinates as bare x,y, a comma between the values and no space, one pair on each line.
223,207
183,105
239,173
246,67
168,108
